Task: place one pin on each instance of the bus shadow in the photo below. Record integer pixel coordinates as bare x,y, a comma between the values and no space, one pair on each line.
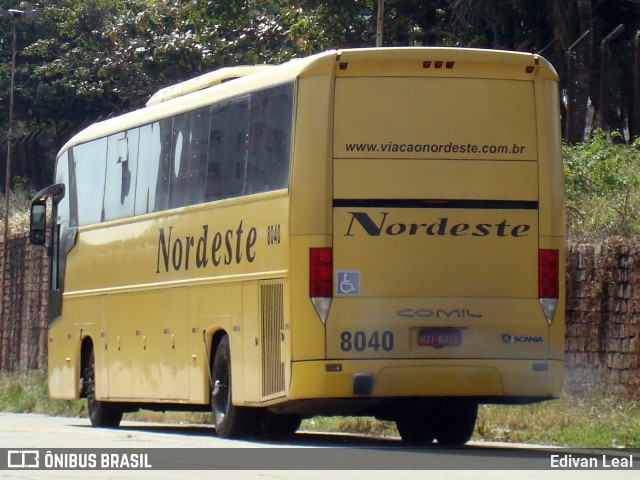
299,439
302,438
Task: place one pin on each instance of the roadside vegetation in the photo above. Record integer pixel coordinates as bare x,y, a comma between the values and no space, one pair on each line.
28,394
591,421
602,182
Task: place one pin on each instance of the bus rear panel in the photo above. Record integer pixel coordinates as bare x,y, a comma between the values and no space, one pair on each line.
446,248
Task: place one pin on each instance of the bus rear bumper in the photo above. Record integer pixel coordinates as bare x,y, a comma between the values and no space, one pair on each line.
420,378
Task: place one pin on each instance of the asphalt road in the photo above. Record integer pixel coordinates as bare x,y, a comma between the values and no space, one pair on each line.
306,455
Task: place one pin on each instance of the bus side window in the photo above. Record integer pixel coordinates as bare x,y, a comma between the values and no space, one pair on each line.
270,142
228,139
148,166
190,148
90,167
164,169
122,165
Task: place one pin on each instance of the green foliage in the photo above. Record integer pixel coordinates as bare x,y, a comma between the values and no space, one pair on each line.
602,180
88,59
28,394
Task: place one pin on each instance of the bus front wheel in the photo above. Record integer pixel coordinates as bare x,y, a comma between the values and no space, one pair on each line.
101,414
231,421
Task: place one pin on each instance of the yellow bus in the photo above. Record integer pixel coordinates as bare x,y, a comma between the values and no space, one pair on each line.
370,232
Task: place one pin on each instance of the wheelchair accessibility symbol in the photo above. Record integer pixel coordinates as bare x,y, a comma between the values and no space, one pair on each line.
348,282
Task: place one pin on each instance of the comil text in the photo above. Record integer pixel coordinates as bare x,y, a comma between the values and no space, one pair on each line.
361,221
226,247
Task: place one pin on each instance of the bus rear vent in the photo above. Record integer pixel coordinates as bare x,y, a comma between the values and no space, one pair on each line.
272,322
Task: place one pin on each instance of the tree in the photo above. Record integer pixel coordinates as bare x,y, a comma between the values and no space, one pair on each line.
87,59
90,59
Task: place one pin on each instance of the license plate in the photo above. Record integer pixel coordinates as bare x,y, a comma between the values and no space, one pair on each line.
439,337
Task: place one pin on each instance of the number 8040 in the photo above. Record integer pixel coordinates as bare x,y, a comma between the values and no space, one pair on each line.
360,341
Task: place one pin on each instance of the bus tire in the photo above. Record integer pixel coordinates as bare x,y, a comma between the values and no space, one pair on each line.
457,421
417,427
101,414
230,421
274,426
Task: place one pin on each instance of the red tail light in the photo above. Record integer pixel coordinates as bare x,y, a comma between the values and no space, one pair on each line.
321,272
548,273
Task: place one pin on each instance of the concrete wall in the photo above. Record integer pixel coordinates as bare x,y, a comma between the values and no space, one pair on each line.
23,320
603,311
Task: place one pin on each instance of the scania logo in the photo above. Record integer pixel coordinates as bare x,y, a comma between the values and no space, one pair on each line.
437,313
507,338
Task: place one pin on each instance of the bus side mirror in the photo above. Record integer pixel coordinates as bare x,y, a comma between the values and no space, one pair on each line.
38,223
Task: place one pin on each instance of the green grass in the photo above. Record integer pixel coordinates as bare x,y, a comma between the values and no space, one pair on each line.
28,394
593,420
357,425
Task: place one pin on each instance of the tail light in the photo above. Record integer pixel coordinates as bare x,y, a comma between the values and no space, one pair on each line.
321,280
549,281
548,271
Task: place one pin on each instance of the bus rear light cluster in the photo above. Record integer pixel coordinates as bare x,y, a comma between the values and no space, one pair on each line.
321,280
549,281
548,271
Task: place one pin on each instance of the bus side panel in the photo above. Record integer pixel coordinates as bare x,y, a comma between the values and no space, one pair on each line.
215,308
148,345
83,317
311,211
163,281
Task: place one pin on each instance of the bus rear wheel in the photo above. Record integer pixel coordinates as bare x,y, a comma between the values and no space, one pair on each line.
417,428
101,414
457,420
230,421
450,421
